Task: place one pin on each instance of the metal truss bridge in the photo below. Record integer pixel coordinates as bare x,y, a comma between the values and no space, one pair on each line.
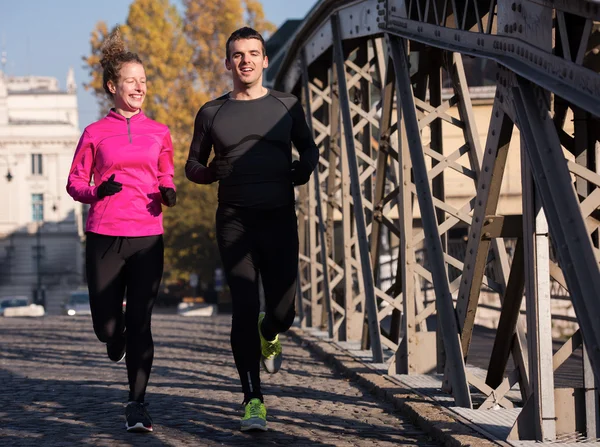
385,84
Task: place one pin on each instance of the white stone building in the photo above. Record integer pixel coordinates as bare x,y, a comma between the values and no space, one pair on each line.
40,225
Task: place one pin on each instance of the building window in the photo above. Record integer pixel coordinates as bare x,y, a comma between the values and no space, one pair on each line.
36,164
37,207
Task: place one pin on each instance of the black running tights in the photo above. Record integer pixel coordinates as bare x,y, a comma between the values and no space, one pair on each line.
253,242
116,266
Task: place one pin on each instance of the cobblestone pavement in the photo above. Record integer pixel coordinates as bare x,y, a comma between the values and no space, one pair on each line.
58,388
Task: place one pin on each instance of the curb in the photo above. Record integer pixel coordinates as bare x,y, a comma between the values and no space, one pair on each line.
435,420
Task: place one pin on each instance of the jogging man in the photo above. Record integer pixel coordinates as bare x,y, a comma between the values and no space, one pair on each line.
251,130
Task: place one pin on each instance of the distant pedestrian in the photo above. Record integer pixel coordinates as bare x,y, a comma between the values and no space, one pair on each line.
129,157
251,130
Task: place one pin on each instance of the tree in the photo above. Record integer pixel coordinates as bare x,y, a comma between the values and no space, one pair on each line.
183,58
154,30
99,34
208,24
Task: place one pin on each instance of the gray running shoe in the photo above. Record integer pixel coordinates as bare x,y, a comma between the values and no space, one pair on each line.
137,418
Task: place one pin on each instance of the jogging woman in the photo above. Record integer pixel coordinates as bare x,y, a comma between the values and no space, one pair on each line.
129,158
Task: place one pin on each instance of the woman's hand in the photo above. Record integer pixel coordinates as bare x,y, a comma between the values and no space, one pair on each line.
169,196
109,188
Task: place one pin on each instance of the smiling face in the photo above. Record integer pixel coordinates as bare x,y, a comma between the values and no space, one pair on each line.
246,62
130,90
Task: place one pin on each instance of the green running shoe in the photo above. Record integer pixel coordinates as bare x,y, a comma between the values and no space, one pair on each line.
271,357
255,416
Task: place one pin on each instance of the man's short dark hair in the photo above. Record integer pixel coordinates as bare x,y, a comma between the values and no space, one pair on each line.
244,33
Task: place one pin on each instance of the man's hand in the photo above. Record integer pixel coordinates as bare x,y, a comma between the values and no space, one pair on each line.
169,196
300,172
109,188
220,168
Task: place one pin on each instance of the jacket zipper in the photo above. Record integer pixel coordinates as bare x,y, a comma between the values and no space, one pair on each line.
128,129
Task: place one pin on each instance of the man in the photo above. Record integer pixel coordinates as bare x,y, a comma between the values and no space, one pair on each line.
251,130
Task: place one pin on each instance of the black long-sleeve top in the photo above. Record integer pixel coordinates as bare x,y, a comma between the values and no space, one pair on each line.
255,136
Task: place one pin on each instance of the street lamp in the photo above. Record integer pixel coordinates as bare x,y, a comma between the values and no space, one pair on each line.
40,291
55,199
8,175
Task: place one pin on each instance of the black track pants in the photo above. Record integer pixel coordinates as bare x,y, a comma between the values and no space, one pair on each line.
253,241
115,266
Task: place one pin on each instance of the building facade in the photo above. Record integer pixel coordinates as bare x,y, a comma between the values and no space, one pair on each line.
40,225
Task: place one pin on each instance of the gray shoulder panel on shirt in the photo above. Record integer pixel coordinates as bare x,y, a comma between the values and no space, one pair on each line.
287,99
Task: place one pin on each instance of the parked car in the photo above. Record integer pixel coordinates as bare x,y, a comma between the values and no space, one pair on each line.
20,306
78,303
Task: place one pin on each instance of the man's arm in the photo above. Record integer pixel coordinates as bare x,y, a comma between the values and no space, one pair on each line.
304,142
166,168
196,169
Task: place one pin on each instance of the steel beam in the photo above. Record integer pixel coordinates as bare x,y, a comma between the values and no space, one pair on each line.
363,244
445,307
565,78
537,291
567,226
318,206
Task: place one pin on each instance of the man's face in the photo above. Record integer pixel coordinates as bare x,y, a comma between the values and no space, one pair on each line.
246,62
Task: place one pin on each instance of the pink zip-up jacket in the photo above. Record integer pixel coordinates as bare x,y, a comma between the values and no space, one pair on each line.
139,152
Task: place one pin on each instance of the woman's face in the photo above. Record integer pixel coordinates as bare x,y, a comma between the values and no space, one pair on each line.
130,90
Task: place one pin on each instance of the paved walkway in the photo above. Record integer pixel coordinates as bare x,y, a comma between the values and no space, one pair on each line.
57,388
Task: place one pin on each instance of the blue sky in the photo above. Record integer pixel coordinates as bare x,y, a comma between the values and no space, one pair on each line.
45,38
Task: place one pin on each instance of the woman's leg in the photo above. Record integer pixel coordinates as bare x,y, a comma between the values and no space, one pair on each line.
106,285
144,268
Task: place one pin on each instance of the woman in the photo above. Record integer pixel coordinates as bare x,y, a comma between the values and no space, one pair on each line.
130,159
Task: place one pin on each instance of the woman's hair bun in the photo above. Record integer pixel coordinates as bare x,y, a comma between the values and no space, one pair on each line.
112,48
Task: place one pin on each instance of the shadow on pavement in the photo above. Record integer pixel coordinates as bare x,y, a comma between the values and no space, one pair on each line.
59,389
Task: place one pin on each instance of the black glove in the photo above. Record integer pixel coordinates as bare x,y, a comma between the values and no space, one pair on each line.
220,168
300,172
169,196
109,187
